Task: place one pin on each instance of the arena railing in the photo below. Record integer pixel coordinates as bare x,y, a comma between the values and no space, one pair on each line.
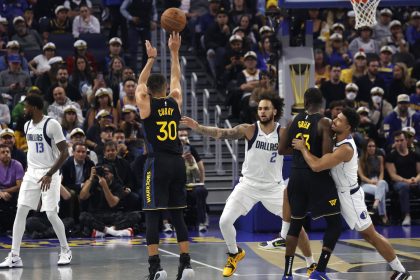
184,84
206,122
218,143
194,109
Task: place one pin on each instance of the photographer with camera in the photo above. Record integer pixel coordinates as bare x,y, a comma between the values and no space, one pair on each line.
101,194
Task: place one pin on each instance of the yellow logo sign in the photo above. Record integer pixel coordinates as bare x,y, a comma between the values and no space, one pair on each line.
333,202
148,183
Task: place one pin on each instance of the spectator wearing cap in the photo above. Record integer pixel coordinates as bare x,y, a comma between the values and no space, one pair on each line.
82,74
370,80
29,39
75,172
403,167
44,81
412,143
381,29
132,128
129,87
7,137
380,108
81,49
39,64
13,47
337,51
70,120
77,135
13,80
246,42
11,9
61,102
352,97
413,34
265,54
248,80
386,66
366,129
61,24
333,89
233,62
72,92
401,83
364,41
117,20
402,116
215,39
85,23
115,50
102,101
338,28
4,113
4,32
396,39
415,98
11,175
141,17
322,69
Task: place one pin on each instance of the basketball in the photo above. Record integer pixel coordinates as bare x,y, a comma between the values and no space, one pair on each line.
173,19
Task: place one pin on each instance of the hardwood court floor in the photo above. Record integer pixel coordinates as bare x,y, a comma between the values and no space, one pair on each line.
127,258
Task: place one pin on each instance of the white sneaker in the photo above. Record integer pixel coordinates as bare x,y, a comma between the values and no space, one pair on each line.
407,221
97,234
167,228
202,228
11,261
160,275
278,243
65,257
188,274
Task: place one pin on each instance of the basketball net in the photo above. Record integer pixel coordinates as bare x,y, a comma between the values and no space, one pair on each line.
365,12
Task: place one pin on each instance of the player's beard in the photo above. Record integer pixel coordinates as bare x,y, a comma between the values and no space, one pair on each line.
267,120
27,116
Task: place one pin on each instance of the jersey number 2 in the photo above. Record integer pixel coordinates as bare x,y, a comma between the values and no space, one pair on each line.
39,147
273,157
306,138
167,130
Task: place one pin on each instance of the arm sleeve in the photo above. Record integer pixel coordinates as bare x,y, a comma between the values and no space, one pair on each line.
55,132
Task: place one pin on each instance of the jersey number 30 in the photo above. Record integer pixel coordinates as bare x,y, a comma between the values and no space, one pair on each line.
167,130
306,138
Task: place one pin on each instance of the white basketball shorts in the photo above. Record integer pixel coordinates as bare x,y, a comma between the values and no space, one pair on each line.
249,193
354,210
30,191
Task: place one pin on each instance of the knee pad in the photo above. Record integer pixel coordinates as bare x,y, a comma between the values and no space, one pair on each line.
295,227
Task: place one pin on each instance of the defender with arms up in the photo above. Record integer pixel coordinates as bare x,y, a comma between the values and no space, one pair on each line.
47,152
164,170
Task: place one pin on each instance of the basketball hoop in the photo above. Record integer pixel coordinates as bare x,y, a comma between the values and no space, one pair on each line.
365,12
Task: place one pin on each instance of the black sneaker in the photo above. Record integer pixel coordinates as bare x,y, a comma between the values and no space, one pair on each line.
401,276
155,271
185,271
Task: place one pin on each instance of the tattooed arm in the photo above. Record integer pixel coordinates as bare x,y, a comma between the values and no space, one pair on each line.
237,132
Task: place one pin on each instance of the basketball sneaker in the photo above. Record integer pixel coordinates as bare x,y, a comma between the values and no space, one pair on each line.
401,276
317,275
11,261
65,257
167,228
311,269
97,234
232,262
155,271
185,271
277,243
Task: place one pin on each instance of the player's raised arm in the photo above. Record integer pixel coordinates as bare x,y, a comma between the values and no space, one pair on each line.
174,43
343,154
142,96
238,132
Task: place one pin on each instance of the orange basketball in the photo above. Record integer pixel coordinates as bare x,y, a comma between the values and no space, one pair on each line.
173,19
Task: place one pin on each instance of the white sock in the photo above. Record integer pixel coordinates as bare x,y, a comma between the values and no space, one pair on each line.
230,214
396,265
19,228
59,229
309,260
284,229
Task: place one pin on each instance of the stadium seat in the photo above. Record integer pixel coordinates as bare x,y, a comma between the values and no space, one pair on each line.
97,45
63,44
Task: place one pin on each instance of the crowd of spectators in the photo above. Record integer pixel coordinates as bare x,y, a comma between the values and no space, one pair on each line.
94,100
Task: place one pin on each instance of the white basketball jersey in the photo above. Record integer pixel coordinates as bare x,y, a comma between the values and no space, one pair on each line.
42,138
345,173
262,160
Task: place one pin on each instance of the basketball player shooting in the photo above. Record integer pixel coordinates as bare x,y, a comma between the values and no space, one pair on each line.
262,179
47,151
343,162
165,175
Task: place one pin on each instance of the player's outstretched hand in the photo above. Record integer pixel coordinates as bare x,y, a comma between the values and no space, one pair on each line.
151,51
174,42
45,183
189,122
298,144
